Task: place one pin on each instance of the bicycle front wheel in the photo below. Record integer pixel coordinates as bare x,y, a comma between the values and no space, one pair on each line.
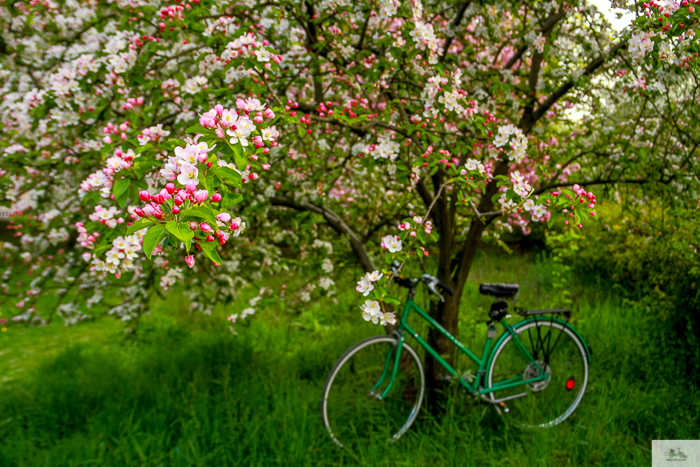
353,410
560,354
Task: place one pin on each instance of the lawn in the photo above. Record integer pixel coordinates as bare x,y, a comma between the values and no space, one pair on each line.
185,391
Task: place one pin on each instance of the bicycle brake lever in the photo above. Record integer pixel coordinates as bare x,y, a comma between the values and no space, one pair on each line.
431,287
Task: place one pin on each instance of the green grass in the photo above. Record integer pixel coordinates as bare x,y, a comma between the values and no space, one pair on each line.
187,392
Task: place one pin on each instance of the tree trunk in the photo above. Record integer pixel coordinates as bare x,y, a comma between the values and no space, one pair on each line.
454,273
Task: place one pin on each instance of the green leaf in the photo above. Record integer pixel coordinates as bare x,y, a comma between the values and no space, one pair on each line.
154,235
209,249
392,299
121,200
230,175
120,187
182,231
201,212
230,199
238,156
138,225
197,128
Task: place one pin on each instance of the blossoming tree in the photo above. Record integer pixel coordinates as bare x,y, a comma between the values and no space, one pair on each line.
133,129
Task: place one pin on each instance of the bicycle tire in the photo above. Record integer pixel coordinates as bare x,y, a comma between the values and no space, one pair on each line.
571,372
412,374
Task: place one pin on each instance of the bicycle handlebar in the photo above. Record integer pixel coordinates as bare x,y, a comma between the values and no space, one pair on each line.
432,282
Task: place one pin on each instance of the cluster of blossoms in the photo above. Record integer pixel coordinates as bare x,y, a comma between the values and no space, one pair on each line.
391,243
103,179
640,44
246,46
238,125
474,165
372,311
539,43
170,278
538,211
176,205
120,130
183,167
153,134
427,228
586,198
424,35
106,216
364,286
386,148
514,137
120,258
522,188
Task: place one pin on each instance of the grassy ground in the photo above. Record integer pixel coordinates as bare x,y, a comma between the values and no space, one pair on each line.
186,392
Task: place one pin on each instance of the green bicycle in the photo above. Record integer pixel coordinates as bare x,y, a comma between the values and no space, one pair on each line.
536,371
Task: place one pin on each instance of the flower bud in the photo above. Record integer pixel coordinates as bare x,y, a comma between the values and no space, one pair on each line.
175,210
190,260
269,113
200,196
206,228
210,238
164,193
194,225
224,217
215,198
178,201
191,187
170,187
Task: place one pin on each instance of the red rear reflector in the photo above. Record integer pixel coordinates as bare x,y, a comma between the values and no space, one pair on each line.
570,384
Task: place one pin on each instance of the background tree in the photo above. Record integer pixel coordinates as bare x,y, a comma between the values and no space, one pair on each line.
484,116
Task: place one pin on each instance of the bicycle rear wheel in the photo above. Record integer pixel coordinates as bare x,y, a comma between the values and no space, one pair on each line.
352,410
560,353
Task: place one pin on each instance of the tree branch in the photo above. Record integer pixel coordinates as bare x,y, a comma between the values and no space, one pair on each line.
335,222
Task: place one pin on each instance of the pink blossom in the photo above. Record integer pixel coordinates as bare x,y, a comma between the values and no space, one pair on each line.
200,196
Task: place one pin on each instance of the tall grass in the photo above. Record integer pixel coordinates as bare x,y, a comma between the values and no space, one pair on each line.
185,393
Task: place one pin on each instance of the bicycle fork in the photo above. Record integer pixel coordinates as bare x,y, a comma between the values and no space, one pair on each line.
399,346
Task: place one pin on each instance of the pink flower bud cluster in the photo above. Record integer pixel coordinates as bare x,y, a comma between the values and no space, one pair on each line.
120,130
86,239
584,198
132,102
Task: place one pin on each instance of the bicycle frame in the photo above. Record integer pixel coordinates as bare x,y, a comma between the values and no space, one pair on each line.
482,362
